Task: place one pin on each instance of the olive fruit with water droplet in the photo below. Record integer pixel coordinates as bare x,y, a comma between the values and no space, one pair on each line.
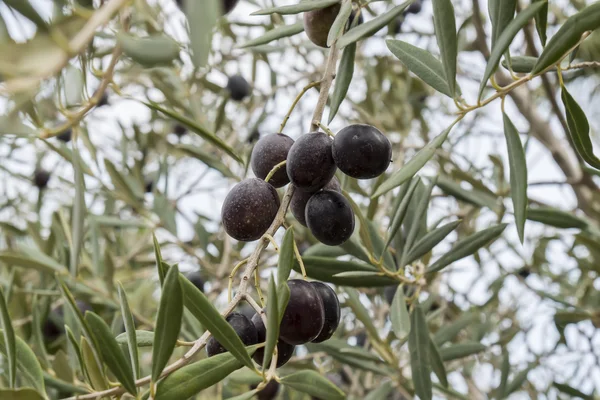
304,316
300,198
249,209
269,151
310,164
361,151
329,217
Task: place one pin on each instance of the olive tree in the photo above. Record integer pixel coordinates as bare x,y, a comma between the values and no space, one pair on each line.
198,200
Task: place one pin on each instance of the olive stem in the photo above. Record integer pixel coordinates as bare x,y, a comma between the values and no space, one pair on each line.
325,86
299,258
274,170
296,100
325,128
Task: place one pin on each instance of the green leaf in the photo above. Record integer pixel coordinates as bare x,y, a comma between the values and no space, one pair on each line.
272,322
505,39
372,26
437,364
275,34
501,13
567,36
74,347
107,346
245,396
9,341
422,63
198,129
286,257
20,394
92,369
461,350
414,165
467,246
31,258
62,385
381,392
164,209
571,391
303,6
556,218
449,331
399,315
313,383
419,347
541,22
422,203
150,51
61,366
520,64
122,188
208,159
213,321
518,174
579,129
352,356
79,211
27,364
168,322
325,269
159,260
143,338
202,17
130,332
445,32
191,379
343,79
337,28
430,240
400,211
505,371
518,381
361,313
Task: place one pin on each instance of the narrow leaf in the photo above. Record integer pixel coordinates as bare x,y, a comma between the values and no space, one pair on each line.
130,332
501,13
343,79
20,394
198,129
449,331
414,165
92,369
571,391
202,17
168,322
159,260
401,210
337,28
303,6
461,350
361,313
421,63
568,35
150,51
79,211
430,240
445,32
399,315
27,364
286,256
372,26
142,338
579,129
518,174
313,383
541,22
113,357
556,218
191,379
520,64
505,40
437,364
467,246
272,323
275,34
381,392
325,269
213,321
419,347
9,340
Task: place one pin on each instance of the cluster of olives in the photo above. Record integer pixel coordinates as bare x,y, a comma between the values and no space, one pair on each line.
359,151
311,315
